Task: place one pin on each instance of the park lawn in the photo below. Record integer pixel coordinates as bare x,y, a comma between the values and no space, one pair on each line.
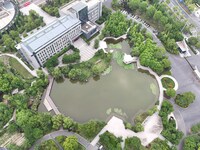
19,68
115,46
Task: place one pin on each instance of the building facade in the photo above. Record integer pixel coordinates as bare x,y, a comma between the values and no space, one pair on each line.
53,38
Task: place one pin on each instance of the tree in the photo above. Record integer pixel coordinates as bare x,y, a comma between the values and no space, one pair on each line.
134,4
67,122
170,92
5,114
159,144
71,143
185,99
138,127
192,40
57,73
143,6
157,16
110,142
191,142
91,128
96,43
57,121
150,11
133,143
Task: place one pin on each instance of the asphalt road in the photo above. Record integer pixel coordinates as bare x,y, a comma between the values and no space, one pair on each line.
187,81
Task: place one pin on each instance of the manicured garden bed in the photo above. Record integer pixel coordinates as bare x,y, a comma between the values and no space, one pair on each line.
167,83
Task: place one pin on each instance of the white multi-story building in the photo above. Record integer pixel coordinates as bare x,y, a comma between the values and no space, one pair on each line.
50,40
77,18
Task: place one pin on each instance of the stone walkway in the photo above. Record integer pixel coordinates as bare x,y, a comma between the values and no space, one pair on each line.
86,51
48,102
53,135
152,130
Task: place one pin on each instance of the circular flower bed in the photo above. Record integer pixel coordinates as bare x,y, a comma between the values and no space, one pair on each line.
167,83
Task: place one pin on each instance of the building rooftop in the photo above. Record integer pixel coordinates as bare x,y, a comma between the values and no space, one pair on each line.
49,33
88,26
79,6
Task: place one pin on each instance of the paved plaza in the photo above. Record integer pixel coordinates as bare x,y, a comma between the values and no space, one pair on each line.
86,51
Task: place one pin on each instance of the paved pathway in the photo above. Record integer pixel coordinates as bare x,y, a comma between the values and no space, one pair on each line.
52,135
48,102
33,72
86,51
152,130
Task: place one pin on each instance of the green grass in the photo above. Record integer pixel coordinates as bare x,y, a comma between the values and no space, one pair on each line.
115,46
19,68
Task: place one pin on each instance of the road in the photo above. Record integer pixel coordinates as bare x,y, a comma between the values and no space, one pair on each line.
191,18
53,135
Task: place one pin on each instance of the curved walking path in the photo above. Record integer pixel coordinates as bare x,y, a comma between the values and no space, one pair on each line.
175,82
32,72
139,66
54,134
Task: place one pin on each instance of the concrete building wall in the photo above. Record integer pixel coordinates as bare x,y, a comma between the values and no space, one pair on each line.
58,45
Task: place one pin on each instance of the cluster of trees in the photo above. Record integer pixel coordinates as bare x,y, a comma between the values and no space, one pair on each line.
51,7
167,83
149,54
170,92
84,70
22,25
59,121
195,128
49,144
159,15
72,58
110,142
116,25
159,144
8,81
194,41
88,130
169,126
106,12
133,143
185,99
191,142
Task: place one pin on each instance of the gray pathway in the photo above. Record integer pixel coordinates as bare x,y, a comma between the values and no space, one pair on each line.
53,135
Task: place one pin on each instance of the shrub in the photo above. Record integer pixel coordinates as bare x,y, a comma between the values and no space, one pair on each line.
96,43
133,143
168,83
110,142
185,99
170,92
196,128
138,127
71,58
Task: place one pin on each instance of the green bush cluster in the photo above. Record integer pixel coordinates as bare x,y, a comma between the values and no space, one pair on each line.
22,25
169,126
52,7
185,99
106,12
72,58
110,142
163,19
149,54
